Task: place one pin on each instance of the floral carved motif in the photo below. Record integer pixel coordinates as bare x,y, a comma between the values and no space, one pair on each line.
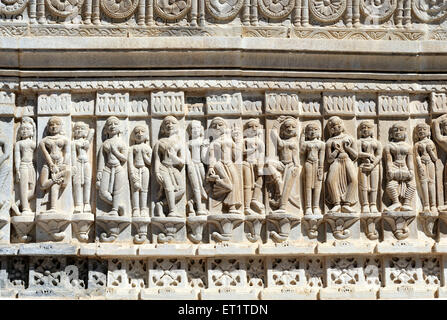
276,9
224,9
327,10
172,9
119,9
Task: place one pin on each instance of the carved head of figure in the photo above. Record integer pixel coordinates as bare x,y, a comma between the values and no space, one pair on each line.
312,131
140,134
366,129
335,126
288,128
80,130
218,127
168,127
112,126
397,132
27,129
252,128
54,126
195,129
422,131
443,125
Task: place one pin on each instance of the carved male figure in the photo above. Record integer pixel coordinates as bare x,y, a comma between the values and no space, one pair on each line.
426,158
440,135
56,151
313,150
223,172
111,178
253,166
140,159
399,169
196,151
169,160
341,180
284,173
369,155
81,168
23,162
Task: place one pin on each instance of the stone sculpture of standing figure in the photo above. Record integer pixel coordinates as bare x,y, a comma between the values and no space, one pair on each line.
23,162
196,151
426,158
169,160
140,159
81,167
223,173
111,178
284,173
252,167
341,179
399,169
56,172
313,150
369,156
440,135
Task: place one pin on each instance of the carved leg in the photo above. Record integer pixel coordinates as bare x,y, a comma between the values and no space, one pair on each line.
425,196
135,203
409,193
87,187
24,190
316,197
104,193
54,195
77,196
391,189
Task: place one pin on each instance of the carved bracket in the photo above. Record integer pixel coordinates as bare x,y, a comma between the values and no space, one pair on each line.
428,219
312,222
283,223
195,228
141,224
225,224
340,222
82,224
370,220
23,226
55,224
113,226
169,227
399,222
254,225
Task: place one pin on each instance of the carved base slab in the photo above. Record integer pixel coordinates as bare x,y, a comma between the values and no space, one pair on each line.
54,225
112,226
169,294
168,229
399,222
406,292
23,226
287,248
222,226
236,293
289,294
280,226
122,294
340,223
346,246
226,249
347,292
405,246
167,250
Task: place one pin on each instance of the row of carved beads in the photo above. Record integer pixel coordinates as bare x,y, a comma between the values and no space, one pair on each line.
302,12
248,276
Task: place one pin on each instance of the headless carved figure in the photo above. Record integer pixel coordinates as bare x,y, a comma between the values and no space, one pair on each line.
23,162
400,170
111,176
313,150
82,170
440,135
56,150
370,153
426,158
140,157
252,167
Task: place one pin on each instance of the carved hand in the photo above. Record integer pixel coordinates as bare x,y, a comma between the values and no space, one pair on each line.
320,174
17,176
99,176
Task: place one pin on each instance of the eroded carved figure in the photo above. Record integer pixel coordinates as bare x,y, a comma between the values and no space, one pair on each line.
369,156
56,172
341,179
23,163
111,178
140,159
313,150
81,167
196,152
440,135
400,183
169,160
426,158
283,173
253,167
223,173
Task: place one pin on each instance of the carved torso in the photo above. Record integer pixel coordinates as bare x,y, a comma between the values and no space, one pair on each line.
223,149
167,146
112,160
27,148
312,149
81,146
369,146
289,146
54,145
195,147
252,147
139,150
399,152
424,148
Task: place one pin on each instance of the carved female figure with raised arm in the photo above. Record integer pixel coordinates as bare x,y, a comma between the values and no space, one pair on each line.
399,169
284,173
81,168
169,160
341,179
253,166
140,159
23,162
440,135
196,152
369,155
223,173
426,158
111,178
313,150
55,173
